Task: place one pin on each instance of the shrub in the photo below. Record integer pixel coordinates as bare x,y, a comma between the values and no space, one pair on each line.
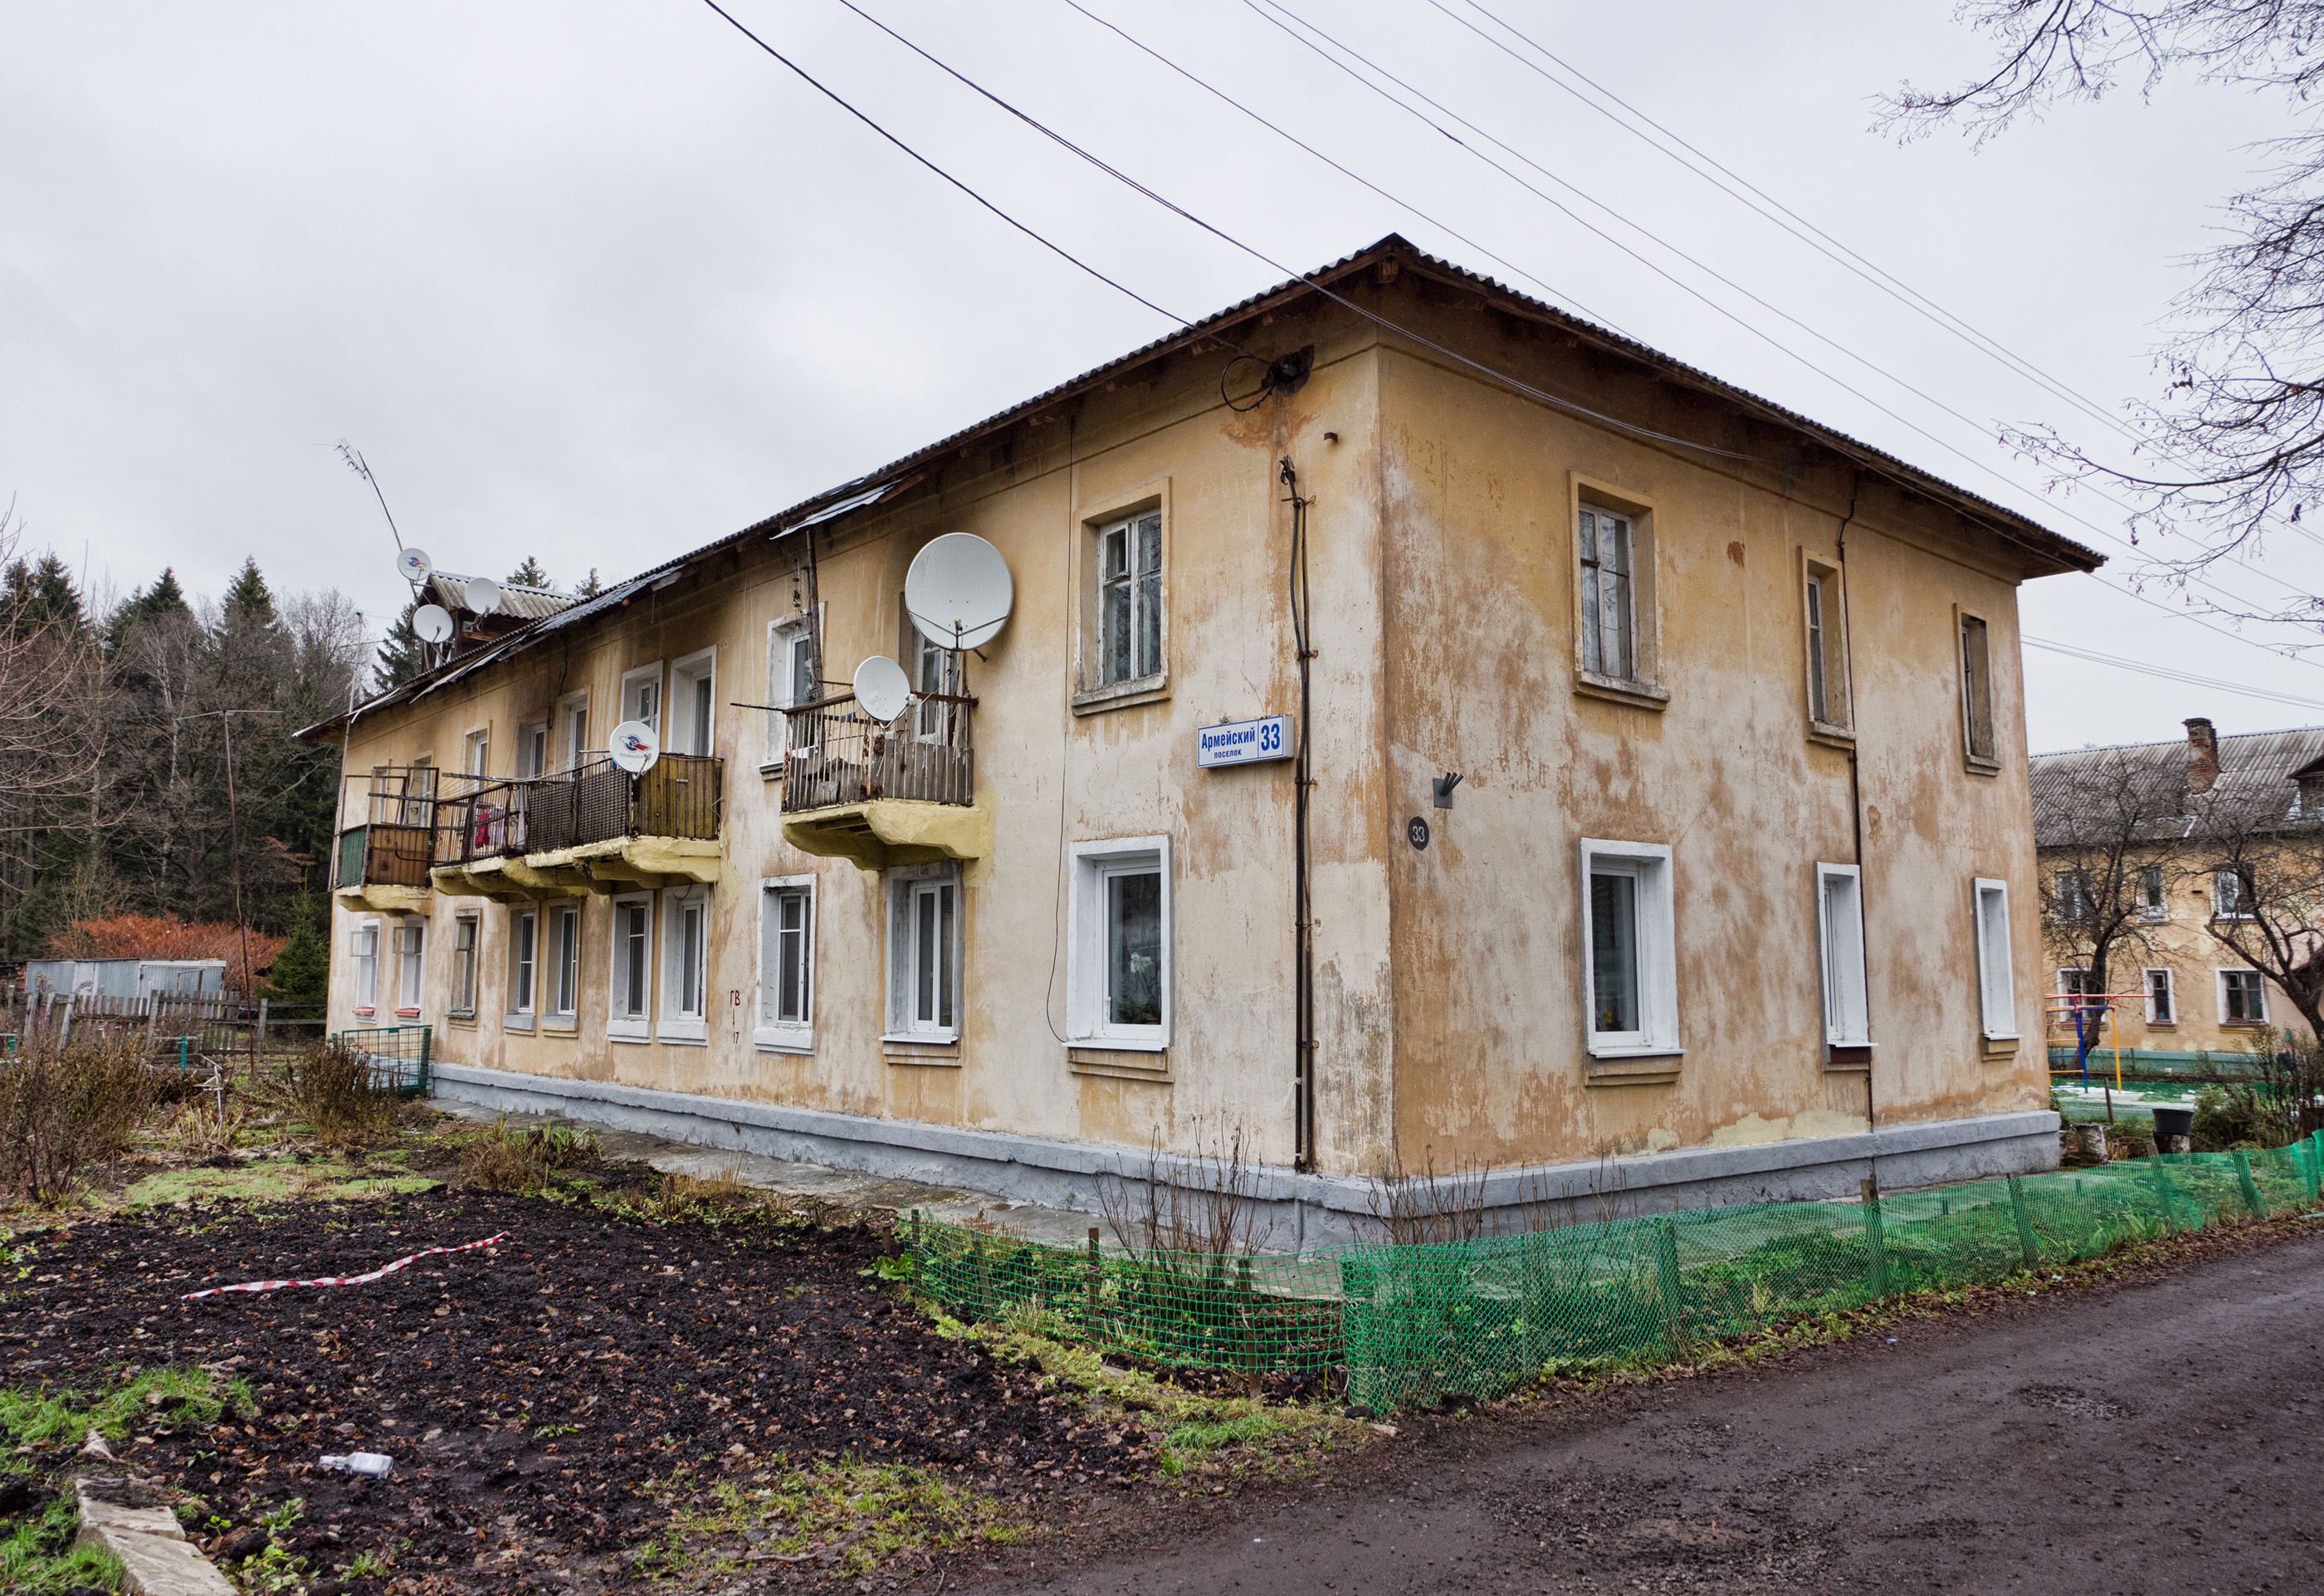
332,1089
2240,1115
505,1160
64,1108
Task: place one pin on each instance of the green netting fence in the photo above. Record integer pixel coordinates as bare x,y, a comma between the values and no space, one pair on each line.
1411,1323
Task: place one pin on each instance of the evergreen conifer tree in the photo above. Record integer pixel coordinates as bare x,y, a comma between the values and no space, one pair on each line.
530,573
301,971
401,653
34,594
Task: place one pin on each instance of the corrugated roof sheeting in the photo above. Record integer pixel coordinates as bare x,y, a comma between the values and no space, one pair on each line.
523,604
2076,793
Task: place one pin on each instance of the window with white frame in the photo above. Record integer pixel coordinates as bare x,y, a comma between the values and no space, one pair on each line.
565,966
642,696
785,964
532,748
2152,903
1629,956
1130,598
2243,997
464,965
573,730
790,677
2076,896
1609,614
524,960
1997,985
934,669
475,753
693,697
629,1010
2074,983
364,946
2162,999
1976,690
411,943
1840,922
1827,694
1118,964
2232,894
686,966
924,940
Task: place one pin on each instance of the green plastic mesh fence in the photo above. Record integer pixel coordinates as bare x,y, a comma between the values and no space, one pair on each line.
1415,1323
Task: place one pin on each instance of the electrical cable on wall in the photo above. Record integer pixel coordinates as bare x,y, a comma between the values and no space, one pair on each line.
1303,1078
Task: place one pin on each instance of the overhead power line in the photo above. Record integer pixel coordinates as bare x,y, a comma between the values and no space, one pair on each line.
2165,673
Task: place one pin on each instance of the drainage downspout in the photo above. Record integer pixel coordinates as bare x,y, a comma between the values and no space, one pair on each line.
1303,1066
1856,797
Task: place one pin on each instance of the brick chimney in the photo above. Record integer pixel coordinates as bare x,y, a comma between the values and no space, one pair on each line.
2202,756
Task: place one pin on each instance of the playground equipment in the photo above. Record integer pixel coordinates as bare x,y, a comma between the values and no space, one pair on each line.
2079,1015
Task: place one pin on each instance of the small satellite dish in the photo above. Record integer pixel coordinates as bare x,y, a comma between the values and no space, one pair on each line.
882,688
483,594
433,623
413,564
958,591
635,747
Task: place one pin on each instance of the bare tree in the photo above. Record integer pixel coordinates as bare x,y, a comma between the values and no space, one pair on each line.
2235,448
2110,822
2261,859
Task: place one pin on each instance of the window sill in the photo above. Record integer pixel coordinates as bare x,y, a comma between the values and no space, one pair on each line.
628,1030
362,1013
1830,735
2162,1025
784,1039
1617,689
1119,1064
1101,1042
407,1013
522,1022
693,1033
2000,1047
1144,689
1852,1059
939,1052
2244,1025
1641,1068
463,1017
1980,767
559,1027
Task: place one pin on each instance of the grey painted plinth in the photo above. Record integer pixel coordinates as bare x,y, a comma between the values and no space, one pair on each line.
1308,1210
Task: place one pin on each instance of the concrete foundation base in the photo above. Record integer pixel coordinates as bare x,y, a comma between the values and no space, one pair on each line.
1308,1210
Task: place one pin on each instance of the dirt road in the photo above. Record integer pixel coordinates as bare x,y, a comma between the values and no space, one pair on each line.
2159,1437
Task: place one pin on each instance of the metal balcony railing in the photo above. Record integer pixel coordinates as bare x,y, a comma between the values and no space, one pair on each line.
488,820
837,754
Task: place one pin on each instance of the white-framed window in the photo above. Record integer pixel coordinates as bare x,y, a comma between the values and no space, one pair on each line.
686,966
1629,948
2243,997
693,704
1130,598
641,695
1997,985
1118,964
524,965
2161,999
933,668
1976,691
475,753
2076,896
2152,905
532,748
785,1020
564,965
572,730
924,943
2232,895
1610,613
464,965
629,1007
2073,982
791,678
363,945
1840,925
410,944
1828,706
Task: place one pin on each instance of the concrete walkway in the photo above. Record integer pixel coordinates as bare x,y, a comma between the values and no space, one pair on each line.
847,1187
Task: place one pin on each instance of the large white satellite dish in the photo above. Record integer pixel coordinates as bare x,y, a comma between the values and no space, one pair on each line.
958,592
882,688
634,747
483,594
413,564
433,623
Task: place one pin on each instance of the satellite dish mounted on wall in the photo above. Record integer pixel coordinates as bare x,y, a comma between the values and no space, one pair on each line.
433,623
958,592
413,564
634,747
483,594
881,688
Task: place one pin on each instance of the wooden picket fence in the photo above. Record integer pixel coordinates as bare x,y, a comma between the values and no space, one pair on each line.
224,1028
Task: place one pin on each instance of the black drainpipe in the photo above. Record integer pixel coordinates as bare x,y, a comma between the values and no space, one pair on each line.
1856,794
1303,1065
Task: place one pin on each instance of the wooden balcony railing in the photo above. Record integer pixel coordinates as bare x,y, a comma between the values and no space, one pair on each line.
837,754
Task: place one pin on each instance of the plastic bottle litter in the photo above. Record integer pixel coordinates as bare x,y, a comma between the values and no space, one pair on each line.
375,1463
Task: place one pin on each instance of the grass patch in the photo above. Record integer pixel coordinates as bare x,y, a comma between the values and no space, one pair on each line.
267,1180
848,1517
37,1558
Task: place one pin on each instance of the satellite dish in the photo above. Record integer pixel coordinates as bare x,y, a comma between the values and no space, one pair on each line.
882,688
433,623
958,592
635,747
413,564
483,594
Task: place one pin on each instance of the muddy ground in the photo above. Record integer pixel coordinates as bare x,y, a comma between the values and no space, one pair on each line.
2161,1434
529,1391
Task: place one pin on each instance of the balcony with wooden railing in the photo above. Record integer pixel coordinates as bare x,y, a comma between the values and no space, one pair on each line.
380,861
596,828
883,793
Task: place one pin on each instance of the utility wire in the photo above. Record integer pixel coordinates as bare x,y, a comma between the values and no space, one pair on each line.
2167,674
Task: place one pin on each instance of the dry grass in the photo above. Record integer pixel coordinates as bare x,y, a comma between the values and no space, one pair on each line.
63,1110
503,1159
331,1089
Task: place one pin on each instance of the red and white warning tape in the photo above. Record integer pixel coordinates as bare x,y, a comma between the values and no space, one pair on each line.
378,1273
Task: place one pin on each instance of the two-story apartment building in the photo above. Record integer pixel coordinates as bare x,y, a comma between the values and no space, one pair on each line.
1737,884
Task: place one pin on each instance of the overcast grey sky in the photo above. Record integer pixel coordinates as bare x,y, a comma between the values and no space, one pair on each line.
601,282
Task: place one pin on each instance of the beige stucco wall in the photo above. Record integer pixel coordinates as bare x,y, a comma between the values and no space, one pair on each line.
1448,982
